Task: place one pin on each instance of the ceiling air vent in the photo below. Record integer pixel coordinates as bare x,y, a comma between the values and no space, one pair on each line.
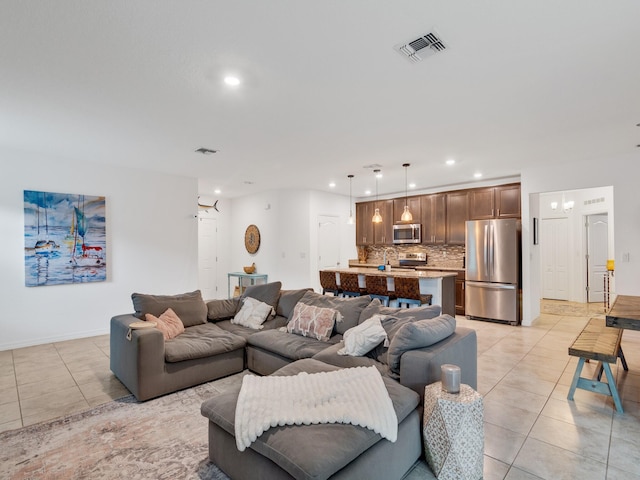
422,47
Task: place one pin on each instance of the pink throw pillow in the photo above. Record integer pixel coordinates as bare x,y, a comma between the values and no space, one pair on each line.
310,321
168,323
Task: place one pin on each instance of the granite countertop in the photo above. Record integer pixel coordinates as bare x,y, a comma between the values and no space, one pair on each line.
394,272
356,264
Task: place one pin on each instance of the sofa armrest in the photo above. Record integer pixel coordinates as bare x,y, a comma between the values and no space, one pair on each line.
421,367
141,357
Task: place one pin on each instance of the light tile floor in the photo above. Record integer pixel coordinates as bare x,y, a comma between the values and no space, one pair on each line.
531,430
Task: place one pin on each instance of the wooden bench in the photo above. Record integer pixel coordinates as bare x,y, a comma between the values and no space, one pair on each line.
601,343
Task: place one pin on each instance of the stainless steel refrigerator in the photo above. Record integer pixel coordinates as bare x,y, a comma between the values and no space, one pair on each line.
492,281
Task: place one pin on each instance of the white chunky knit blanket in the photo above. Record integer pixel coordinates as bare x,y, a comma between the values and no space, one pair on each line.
352,395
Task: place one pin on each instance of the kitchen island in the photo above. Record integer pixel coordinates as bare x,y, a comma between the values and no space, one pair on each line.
441,285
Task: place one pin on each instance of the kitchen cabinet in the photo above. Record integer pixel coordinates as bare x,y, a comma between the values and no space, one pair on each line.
364,226
457,216
433,210
460,292
502,201
414,208
508,201
383,232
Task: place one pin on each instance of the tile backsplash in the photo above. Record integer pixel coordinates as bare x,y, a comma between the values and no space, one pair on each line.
450,256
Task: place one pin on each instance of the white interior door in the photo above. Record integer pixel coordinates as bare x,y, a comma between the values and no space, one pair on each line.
328,242
597,254
207,257
554,252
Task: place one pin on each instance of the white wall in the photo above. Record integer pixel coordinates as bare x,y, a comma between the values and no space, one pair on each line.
622,173
288,224
151,246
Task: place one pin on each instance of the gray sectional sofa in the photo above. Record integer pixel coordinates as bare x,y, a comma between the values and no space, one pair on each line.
213,346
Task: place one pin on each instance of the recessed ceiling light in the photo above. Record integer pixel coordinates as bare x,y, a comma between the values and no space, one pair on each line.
232,81
367,192
477,175
217,191
412,185
248,182
451,161
332,184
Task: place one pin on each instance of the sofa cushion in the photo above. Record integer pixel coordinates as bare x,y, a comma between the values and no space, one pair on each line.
418,334
168,323
288,300
266,292
364,337
349,308
375,307
245,332
188,306
222,309
201,341
296,448
287,345
253,313
310,321
330,355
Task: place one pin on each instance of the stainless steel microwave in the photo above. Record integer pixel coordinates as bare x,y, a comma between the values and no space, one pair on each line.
407,233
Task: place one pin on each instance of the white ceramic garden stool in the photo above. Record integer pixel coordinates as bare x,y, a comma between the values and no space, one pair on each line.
453,432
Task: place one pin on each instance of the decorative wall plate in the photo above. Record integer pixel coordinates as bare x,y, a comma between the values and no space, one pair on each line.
252,239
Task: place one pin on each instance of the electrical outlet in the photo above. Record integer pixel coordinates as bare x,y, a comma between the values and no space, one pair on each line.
625,257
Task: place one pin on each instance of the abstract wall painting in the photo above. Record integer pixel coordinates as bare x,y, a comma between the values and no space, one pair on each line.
64,238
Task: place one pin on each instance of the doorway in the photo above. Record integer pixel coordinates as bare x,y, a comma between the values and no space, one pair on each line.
207,257
597,235
328,242
554,234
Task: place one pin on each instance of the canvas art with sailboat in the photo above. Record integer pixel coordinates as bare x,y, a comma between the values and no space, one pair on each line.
65,238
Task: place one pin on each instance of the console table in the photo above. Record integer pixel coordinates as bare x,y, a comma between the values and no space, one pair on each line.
240,275
625,312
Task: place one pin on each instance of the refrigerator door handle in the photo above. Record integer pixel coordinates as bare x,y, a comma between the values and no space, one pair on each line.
492,251
497,286
485,251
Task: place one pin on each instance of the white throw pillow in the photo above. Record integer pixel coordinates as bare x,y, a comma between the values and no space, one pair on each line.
363,338
253,313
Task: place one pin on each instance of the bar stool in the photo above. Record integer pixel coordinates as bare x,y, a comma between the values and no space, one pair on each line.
329,284
350,285
408,292
376,286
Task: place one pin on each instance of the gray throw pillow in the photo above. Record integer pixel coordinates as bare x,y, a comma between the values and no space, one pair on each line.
349,308
222,309
419,313
288,300
391,325
266,292
418,334
188,306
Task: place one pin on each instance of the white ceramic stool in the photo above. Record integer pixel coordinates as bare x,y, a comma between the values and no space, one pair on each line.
453,432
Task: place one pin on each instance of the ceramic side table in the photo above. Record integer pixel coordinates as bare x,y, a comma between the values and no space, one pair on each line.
453,432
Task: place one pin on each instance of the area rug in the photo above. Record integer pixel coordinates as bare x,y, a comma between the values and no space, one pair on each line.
571,309
165,438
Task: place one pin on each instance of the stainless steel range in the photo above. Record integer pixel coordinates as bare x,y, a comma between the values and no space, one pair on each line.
411,260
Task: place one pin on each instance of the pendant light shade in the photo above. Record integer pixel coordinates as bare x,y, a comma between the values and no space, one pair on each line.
377,218
350,220
406,214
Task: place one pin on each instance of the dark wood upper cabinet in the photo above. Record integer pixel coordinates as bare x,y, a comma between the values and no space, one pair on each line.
383,232
508,201
495,202
442,215
364,226
457,216
434,218
414,208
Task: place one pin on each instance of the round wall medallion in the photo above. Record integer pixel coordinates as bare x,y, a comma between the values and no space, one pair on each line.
252,239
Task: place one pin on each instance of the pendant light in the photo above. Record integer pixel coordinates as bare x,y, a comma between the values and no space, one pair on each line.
350,220
406,215
377,218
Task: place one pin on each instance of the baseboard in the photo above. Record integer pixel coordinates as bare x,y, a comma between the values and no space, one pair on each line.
53,339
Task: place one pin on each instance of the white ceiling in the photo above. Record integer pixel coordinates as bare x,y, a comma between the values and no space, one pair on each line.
323,93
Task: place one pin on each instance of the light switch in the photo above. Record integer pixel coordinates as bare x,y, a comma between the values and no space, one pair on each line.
625,257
